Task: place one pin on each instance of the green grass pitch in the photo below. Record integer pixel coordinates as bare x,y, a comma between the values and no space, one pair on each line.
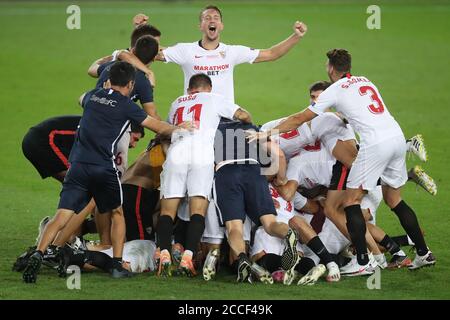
43,72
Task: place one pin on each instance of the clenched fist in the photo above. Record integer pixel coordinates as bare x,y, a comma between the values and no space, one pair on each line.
300,28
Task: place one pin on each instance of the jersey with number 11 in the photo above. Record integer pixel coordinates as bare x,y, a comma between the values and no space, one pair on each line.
204,110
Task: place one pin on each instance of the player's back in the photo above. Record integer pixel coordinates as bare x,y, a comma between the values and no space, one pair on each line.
359,100
294,141
142,89
204,110
312,168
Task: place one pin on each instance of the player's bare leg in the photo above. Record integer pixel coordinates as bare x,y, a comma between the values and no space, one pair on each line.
52,228
335,212
118,231
197,207
73,225
103,222
409,222
164,232
345,152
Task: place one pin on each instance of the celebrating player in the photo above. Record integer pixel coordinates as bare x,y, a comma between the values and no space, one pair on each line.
382,153
93,172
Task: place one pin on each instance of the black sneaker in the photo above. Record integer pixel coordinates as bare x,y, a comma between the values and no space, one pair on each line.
244,269
289,258
32,268
22,260
50,258
118,273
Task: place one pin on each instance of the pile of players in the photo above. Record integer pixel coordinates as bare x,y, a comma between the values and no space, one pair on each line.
296,197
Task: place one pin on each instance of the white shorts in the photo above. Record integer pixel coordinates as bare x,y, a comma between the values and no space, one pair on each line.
213,233
183,210
188,169
384,160
139,253
372,201
265,242
329,128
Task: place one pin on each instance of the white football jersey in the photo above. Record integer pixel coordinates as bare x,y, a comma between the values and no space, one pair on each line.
218,63
285,209
204,109
139,253
294,141
310,169
359,100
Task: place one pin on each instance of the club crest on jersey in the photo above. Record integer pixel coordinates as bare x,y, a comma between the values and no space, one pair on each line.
222,54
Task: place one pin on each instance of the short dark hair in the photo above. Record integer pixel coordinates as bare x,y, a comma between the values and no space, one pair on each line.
137,128
144,30
146,49
210,7
340,59
121,73
199,80
319,86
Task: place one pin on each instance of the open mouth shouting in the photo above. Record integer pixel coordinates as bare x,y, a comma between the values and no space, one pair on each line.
212,31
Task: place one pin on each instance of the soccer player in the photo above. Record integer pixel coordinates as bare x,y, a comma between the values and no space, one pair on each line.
189,166
92,173
47,145
137,257
139,31
267,250
382,154
216,59
145,50
140,185
241,189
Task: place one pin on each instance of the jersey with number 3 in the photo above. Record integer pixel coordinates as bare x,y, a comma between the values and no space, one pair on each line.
359,100
204,110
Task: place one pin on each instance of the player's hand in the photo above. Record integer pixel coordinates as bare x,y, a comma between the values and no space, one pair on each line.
187,125
139,19
253,135
300,28
280,181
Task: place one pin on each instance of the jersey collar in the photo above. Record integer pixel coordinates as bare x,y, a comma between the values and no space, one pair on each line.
201,46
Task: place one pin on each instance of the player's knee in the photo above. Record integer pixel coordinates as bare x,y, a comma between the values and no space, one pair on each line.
117,212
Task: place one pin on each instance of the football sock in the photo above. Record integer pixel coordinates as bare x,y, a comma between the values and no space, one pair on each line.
180,231
357,229
164,231
401,240
316,245
271,262
409,222
340,260
305,265
390,245
195,232
88,226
